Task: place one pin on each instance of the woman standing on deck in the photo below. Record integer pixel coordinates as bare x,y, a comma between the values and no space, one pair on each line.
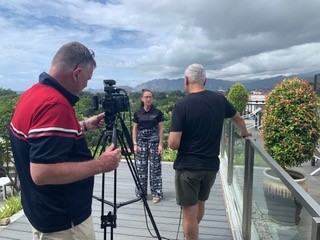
147,136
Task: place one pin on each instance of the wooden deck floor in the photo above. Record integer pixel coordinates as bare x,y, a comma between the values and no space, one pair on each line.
132,222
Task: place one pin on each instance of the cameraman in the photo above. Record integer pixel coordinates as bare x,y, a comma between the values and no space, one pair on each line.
196,128
54,164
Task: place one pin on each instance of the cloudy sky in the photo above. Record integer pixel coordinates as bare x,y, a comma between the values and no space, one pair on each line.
140,40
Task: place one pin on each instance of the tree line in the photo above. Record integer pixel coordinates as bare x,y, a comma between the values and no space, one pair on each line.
84,108
162,100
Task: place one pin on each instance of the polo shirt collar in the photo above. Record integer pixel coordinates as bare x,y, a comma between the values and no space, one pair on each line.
150,110
46,79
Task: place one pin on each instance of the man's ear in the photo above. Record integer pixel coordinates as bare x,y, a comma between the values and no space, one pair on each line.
75,74
186,80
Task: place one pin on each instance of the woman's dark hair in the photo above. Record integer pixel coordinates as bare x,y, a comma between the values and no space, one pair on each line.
143,91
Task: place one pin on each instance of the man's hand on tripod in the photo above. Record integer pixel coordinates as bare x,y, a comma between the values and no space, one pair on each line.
110,159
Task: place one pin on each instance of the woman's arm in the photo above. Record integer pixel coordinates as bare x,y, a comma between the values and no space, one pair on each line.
135,137
160,146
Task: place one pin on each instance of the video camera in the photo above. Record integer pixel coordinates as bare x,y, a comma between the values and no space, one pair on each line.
115,100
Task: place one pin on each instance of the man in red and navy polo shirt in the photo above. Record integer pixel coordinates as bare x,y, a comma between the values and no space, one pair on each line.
51,155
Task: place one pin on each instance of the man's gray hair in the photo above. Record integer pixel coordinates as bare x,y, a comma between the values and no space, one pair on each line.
196,73
73,54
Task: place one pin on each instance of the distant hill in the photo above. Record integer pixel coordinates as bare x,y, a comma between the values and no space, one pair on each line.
166,85
169,85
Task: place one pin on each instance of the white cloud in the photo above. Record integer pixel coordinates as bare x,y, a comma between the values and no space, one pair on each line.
139,40
294,60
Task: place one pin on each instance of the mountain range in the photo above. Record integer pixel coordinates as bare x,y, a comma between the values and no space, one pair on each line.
169,85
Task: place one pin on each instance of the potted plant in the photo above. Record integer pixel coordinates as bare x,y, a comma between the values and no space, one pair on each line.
290,132
11,206
238,96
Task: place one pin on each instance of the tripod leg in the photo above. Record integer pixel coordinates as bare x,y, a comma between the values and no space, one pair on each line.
135,177
106,220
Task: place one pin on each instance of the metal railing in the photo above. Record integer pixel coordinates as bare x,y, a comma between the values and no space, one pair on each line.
252,209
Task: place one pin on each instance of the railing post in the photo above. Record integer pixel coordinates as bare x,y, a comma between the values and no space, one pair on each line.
247,191
223,139
230,153
315,231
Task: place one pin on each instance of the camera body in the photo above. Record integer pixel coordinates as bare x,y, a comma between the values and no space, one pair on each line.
113,102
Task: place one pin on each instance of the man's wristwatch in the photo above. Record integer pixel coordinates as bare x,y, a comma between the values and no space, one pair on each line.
84,126
135,143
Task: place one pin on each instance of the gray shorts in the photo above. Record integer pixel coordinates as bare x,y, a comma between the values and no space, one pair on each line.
193,186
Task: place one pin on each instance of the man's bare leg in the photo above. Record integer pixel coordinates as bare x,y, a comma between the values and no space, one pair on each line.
190,222
201,208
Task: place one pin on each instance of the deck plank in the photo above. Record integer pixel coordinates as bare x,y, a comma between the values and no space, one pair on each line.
131,218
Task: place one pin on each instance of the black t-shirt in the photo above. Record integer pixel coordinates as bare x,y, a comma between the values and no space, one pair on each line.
199,116
148,119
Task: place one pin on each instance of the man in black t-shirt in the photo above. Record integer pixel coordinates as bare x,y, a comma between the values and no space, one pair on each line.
196,129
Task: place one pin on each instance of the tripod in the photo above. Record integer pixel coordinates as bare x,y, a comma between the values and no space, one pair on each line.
112,134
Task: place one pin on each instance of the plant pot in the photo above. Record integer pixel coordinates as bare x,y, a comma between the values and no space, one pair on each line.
4,221
283,207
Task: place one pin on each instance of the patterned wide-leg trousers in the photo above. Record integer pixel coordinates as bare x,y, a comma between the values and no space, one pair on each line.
149,151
